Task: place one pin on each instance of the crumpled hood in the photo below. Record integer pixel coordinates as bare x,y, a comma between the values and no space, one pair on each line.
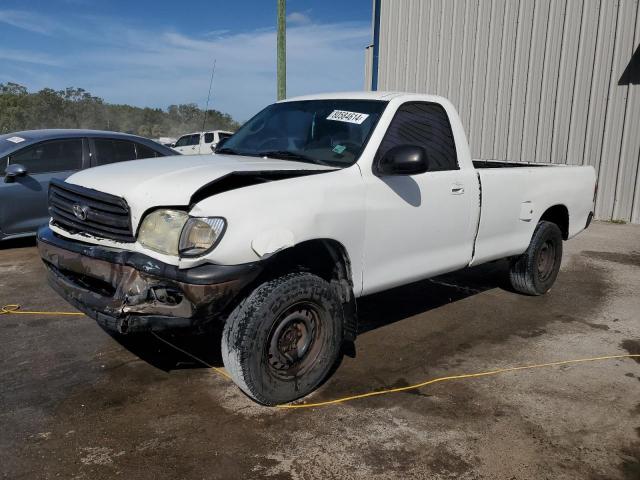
171,181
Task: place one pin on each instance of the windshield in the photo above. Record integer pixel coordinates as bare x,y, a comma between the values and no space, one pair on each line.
10,143
325,132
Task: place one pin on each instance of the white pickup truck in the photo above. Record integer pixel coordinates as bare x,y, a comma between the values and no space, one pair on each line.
314,202
200,143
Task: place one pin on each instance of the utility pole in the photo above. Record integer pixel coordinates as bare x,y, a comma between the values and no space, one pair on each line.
282,50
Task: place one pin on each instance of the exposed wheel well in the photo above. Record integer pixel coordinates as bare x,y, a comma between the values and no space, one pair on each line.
325,258
559,215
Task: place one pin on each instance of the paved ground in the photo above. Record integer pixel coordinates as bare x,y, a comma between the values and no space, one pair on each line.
76,403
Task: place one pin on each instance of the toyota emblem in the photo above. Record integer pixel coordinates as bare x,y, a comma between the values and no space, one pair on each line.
80,211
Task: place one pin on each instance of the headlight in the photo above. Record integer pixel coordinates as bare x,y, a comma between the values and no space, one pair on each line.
160,230
201,235
173,232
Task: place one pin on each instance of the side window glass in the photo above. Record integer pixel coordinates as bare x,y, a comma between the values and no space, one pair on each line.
195,139
208,137
183,141
111,151
145,152
425,125
125,150
53,156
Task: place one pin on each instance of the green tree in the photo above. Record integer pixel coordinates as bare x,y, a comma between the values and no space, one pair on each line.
77,108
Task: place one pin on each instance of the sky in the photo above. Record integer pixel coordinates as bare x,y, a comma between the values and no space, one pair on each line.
157,53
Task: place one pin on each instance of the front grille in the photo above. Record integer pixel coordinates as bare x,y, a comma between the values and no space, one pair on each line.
82,210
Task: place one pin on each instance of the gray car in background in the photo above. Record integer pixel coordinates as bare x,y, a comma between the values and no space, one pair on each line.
29,160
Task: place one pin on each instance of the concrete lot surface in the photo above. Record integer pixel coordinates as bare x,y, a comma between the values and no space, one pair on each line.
77,403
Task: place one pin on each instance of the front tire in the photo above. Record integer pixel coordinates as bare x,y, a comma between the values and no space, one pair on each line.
284,338
535,271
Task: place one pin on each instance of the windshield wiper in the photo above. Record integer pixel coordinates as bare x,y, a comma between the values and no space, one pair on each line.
289,155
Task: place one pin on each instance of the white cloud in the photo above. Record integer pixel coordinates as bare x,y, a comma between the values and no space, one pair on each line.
21,56
29,21
298,18
124,64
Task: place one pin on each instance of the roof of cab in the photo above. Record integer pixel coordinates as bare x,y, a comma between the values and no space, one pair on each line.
348,96
380,96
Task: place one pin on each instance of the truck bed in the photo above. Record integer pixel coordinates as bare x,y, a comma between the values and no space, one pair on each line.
500,164
512,199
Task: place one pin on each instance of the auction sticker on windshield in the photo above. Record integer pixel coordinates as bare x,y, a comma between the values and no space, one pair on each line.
349,117
15,139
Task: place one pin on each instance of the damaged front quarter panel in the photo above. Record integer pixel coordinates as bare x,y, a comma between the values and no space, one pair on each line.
272,241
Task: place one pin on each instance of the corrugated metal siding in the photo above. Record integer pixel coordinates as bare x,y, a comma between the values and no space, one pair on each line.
533,80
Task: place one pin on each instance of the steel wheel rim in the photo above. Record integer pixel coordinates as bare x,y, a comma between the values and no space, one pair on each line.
294,343
546,260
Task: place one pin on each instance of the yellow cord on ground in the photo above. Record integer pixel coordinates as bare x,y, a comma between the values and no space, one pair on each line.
449,378
15,309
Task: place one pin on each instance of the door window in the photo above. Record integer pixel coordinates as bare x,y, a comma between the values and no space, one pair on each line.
111,151
224,136
425,125
188,140
208,137
145,152
183,141
52,156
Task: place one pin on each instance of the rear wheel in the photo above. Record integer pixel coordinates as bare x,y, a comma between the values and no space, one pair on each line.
535,271
282,341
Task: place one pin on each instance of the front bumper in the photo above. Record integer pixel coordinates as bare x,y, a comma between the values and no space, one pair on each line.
130,292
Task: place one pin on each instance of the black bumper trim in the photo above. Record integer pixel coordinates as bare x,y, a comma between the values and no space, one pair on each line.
201,275
131,292
126,324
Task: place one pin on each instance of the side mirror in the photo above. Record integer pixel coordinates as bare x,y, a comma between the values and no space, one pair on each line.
220,144
13,171
403,160
173,145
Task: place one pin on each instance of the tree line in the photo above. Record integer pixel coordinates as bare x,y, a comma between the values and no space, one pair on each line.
77,108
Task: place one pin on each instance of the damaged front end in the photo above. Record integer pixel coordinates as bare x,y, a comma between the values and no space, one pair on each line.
127,291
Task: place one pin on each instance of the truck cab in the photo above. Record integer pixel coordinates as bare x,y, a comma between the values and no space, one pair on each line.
200,143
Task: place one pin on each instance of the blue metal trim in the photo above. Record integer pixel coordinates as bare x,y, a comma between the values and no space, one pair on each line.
376,45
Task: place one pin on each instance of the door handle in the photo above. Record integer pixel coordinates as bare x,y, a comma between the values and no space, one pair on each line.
457,189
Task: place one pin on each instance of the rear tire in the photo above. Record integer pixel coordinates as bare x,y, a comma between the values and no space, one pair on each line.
283,339
535,271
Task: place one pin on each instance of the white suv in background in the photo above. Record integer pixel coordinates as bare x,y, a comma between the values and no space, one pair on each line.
198,143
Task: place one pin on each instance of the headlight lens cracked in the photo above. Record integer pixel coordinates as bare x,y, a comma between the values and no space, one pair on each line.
173,232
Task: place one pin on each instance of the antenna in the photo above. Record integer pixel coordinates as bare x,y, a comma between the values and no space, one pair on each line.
206,108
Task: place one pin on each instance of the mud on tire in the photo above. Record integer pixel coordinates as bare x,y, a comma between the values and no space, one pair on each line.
283,339
535,271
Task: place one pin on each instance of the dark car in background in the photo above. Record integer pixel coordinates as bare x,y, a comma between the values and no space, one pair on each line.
29,160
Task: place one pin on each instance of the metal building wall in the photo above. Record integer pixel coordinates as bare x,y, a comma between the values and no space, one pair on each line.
368,67
534,80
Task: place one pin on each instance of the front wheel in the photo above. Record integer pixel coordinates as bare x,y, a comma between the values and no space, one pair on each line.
535,271
282,340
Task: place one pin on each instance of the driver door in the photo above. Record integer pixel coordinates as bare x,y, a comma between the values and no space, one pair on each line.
418,225
24,201
188,144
